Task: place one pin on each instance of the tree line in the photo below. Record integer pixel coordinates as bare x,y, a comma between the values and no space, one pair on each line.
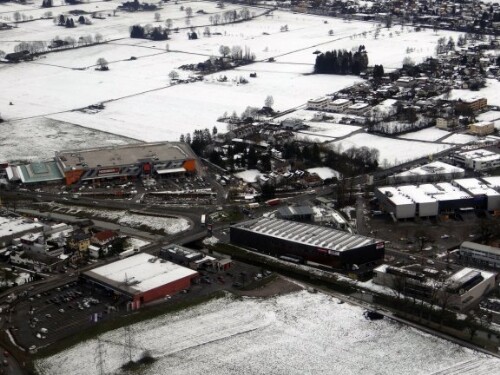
342,62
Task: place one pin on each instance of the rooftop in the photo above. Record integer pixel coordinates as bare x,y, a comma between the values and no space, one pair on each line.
307,234
434,168
476,187
481,247
43,171
139,273
123,155
12,226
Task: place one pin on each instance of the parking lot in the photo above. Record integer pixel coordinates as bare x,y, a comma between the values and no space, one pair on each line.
46,317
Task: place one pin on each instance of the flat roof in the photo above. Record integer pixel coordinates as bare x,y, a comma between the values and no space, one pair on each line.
482,124
416,194
476,187
12,226
425,193
493,182
138,273
480,155
434,168
340,101
358,106
480,247
123,155
307,234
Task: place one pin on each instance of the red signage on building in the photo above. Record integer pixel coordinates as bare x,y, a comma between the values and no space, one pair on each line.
108,171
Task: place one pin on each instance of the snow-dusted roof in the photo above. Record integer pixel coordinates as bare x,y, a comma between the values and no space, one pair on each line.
340,101
434,168
425,193
138,274
476,187
307,234
480,155
13,226
493,182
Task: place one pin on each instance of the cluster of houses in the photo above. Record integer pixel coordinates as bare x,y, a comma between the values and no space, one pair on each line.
473,16
419,96
47,246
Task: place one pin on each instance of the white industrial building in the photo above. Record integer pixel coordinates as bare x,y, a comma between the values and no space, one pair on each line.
462,291
478,160
425,200
480,189
435,171
481,254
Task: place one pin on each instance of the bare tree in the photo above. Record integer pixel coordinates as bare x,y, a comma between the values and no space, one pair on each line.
189,12
168,23
98,38
103,64
173,75
269,102
17,16
157,17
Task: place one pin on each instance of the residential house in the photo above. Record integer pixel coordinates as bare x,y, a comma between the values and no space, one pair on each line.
79,241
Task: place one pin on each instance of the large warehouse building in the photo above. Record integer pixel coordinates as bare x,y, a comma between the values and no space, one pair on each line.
124,162
427,200
310,243
142,278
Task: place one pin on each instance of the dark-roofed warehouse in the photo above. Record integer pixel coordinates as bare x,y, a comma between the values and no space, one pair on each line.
310,243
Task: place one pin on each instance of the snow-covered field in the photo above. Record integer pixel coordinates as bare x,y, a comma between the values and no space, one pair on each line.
460,139
429,134
299,333
39,138
491,92
392,151
167,113
140,101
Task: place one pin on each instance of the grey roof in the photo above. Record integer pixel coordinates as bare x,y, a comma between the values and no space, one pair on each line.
287,211
123,155
480,247
307,234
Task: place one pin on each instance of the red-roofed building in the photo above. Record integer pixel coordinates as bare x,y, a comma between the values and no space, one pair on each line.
104,237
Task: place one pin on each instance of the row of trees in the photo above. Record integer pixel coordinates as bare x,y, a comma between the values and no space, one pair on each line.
230,16
40,46
149,32
342,62
237,53
199,140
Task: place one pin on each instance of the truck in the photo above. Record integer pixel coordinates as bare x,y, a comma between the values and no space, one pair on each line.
128,253
273,202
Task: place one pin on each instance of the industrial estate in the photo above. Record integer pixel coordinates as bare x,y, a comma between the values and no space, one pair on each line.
187,186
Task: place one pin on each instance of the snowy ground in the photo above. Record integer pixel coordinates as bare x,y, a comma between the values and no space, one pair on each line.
460,139
137,93
328,129
392,151
298,333
42,137
429,134
491,92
